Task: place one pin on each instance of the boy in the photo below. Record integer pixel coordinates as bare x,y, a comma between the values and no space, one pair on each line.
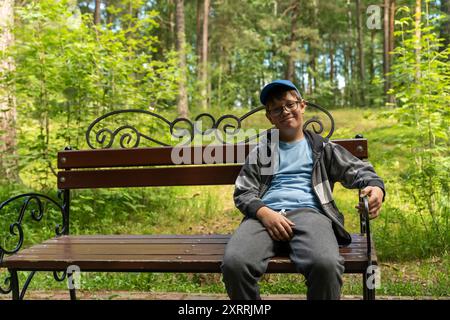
293,206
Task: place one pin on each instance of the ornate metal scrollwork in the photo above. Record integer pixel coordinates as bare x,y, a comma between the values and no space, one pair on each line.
35,215
7,283
228,125
106,137
58,277
15,228
316,120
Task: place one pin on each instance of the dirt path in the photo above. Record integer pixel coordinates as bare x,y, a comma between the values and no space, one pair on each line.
135,295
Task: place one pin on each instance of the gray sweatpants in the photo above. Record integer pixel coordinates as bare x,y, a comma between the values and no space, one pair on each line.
313,249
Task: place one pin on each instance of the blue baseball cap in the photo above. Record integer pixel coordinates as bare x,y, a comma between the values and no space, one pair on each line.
274,84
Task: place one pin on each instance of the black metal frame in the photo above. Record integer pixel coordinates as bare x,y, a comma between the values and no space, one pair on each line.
105,137
368,293
12,282
100,137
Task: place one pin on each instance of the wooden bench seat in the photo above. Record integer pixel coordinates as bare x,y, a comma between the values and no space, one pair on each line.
155,253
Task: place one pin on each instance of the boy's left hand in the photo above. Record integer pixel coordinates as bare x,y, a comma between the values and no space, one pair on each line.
375,195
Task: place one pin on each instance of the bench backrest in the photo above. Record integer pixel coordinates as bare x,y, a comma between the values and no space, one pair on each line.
146,167
131,166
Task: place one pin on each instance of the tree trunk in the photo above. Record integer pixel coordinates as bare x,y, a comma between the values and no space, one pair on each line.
392,26
361,63
181,48
332,71
418,36
222,66
199,35
332,62
109,16
204,64
351,97
391,97
8,114
346,74
172,36
386,47
310,81
372,64
347,56
314,51
372,55
290,63
97,12
302,77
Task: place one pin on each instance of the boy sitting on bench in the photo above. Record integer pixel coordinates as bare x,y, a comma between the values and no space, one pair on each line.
290,205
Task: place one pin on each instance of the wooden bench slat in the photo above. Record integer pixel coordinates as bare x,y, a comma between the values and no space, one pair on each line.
357,147
357,240
140,241
173,256
35,259
126,237
356,237
175,176
137,259
361,245
145,249
103,158
162,241
113,264
140,236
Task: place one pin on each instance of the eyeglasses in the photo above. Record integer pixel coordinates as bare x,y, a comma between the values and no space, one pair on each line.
290,106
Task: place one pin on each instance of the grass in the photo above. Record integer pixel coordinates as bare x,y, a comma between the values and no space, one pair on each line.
413,262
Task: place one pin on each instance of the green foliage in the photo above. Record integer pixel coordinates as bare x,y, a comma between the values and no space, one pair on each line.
68,72
421,84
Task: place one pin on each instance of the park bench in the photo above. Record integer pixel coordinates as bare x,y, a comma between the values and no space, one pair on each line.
151,167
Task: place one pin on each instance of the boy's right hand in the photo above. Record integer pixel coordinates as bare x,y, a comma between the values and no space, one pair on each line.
278,226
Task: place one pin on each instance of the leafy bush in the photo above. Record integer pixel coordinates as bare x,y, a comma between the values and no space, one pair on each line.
69,72
421,77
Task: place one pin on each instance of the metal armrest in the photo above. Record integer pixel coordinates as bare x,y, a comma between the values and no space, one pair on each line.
365,225
16,230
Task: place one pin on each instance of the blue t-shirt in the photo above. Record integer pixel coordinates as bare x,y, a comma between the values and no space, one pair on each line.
291,186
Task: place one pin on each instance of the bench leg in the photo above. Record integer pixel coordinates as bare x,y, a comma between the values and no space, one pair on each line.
14,285
73,294
72,289
368,294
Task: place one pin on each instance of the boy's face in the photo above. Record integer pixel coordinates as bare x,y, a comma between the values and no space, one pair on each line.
290,120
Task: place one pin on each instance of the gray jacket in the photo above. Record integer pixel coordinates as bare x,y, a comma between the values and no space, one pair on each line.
332,163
